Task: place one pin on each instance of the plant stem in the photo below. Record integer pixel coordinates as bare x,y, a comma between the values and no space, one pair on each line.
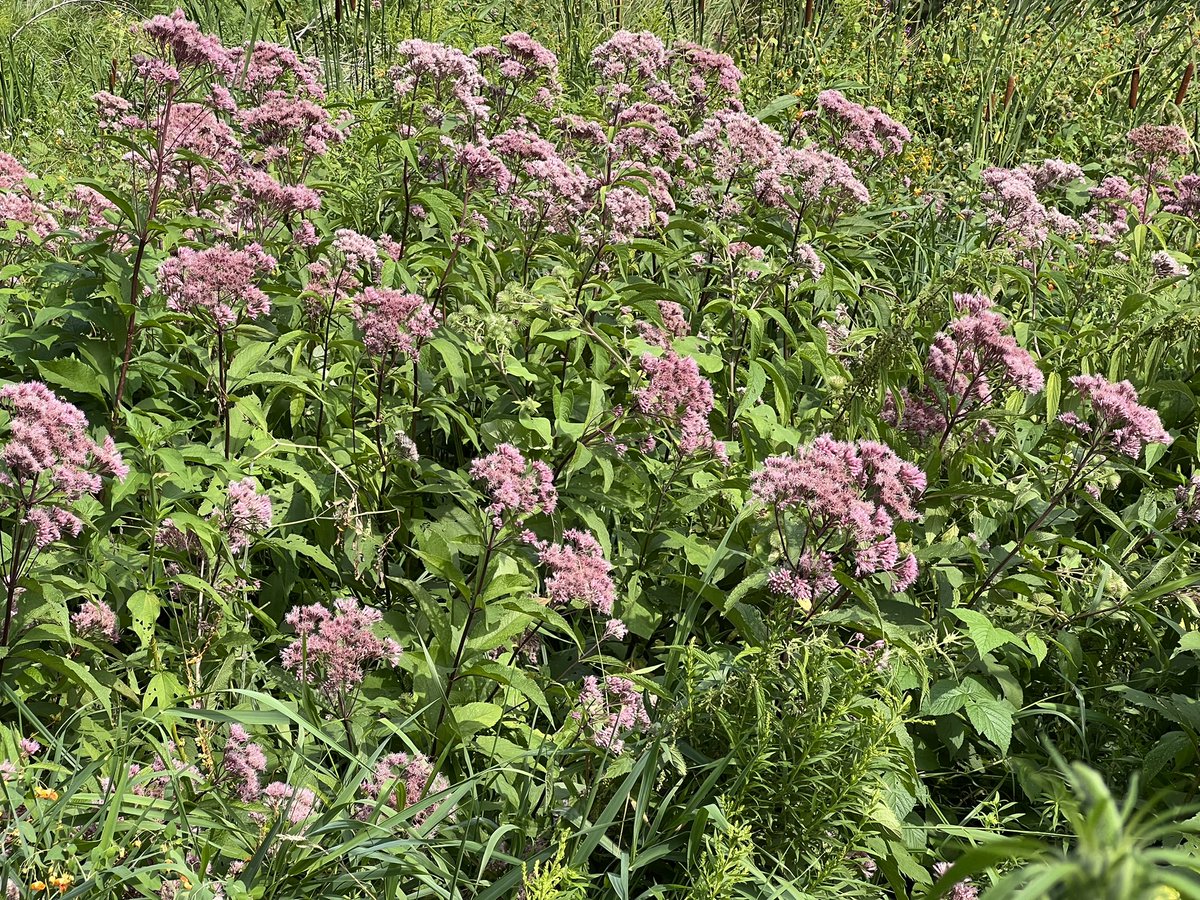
456,664
1020,545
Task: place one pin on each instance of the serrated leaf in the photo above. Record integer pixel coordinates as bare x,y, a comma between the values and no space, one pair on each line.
983,634
993,719
71,374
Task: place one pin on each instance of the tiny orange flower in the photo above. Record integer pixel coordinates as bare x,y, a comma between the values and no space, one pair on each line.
38,886
45,793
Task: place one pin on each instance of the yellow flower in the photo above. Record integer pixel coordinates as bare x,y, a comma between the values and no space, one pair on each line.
62,882
185,882
38,886
45,793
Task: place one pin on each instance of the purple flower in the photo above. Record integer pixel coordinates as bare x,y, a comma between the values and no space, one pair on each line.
246,513
449,74
629,214
678,396
217,283
514,486
866,130
50,460
628,59
1121,421
187,45
401,781
965,366
283,799
1157,143
578,571
962,890
394,321
847,497
610,710
335,649
245,762
96,619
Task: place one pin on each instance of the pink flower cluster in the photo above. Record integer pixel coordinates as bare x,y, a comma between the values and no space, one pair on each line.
674,325
1156,144
166,771
962,890
1119,419
96,619
514,486
401,781
19,203
449,74
50,461
629,213
628,60
554,191
352,258
246,513
241,167
217,283
394,322
965,366
610,710
860,129
283,799
847,498
578,571
244,762
520,62
186,45
337,648
679,397
710,78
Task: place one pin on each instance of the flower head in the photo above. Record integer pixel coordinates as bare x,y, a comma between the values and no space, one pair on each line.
401,781
246,513
848,498
579,571
96,619
51,460
393,321
336,648
244,762
610,710
515,486
218,282
677,395
1121,421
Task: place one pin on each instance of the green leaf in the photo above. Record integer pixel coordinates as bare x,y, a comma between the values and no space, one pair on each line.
993,719
1053,395
946,697
163,690
1037,647
144,607
470,718
1189,643
71,374
984,635
1168,748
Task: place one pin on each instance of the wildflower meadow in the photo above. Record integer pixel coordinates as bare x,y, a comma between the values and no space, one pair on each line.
632,450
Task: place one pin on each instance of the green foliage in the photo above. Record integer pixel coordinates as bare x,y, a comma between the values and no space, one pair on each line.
771,707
